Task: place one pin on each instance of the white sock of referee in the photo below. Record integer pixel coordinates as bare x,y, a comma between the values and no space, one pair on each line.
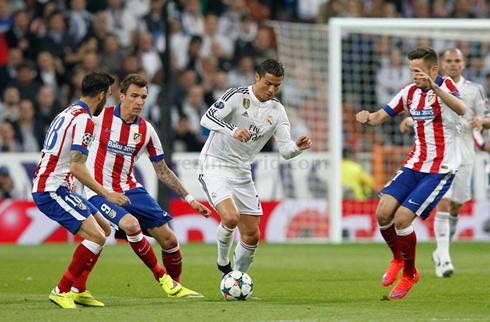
225,241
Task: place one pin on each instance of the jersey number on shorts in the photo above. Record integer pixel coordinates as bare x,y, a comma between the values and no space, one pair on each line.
75,201
397,174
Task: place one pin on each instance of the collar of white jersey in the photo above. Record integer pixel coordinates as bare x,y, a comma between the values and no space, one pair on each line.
85,107
461,81
256,100
117,113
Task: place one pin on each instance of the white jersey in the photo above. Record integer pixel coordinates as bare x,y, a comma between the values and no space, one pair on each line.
437,133
239,108
117,146
71,130
476,104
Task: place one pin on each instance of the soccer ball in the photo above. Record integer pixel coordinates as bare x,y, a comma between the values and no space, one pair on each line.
236,286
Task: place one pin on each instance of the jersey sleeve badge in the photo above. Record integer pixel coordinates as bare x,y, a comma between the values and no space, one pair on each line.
87,138
219,105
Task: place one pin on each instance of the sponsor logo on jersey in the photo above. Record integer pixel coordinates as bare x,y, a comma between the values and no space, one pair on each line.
115,147
137,138
246,103
87,138
219,105
245,114
270,121
427,113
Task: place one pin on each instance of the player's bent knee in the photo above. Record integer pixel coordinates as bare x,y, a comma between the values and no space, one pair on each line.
107,232
169,242
251,238
230,219
129,224
96,237
383,218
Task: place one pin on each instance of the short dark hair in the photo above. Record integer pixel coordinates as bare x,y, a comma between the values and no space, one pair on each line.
427,54
271,66
96,82
135,79
347,152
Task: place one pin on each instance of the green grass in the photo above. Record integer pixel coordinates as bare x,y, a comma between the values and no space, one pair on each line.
296,283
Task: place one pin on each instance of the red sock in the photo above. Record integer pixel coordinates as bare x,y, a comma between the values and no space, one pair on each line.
80,282
408,245
173,263
392,239
82,259
144,250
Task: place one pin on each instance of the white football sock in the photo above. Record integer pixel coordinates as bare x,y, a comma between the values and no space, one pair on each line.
225,241
243,257
453,223
441,230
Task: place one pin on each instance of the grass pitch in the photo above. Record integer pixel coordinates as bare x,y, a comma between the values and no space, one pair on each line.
296,283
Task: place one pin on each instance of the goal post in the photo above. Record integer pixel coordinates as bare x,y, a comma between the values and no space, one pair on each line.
335,77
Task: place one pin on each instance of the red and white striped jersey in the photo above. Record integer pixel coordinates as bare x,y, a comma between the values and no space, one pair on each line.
72,129
437,127
117,146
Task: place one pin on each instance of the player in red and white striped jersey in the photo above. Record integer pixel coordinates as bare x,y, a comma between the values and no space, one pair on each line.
435,104
121,136
448,208
63,156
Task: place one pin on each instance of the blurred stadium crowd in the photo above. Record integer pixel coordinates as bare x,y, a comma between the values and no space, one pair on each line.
46,47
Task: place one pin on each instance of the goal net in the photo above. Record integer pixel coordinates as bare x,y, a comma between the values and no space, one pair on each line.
333,71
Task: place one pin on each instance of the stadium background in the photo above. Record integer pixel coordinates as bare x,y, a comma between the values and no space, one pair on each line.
47,46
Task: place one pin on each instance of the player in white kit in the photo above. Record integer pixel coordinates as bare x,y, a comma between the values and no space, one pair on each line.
241,123
448,208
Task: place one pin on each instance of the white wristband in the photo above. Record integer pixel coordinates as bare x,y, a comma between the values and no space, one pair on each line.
189,198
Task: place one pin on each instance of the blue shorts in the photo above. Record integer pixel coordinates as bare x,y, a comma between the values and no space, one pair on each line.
420,192
142,206
67,208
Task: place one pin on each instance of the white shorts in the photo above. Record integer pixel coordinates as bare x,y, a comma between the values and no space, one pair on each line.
460,190
242,191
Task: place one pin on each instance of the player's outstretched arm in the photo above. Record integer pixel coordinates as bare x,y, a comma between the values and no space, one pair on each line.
80,171
169,178
373,119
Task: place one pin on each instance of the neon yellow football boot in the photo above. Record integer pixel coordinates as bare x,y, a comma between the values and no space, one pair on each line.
86,299
174,289
63,300
186,293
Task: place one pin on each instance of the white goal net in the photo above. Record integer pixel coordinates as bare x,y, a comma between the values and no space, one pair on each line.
333,71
